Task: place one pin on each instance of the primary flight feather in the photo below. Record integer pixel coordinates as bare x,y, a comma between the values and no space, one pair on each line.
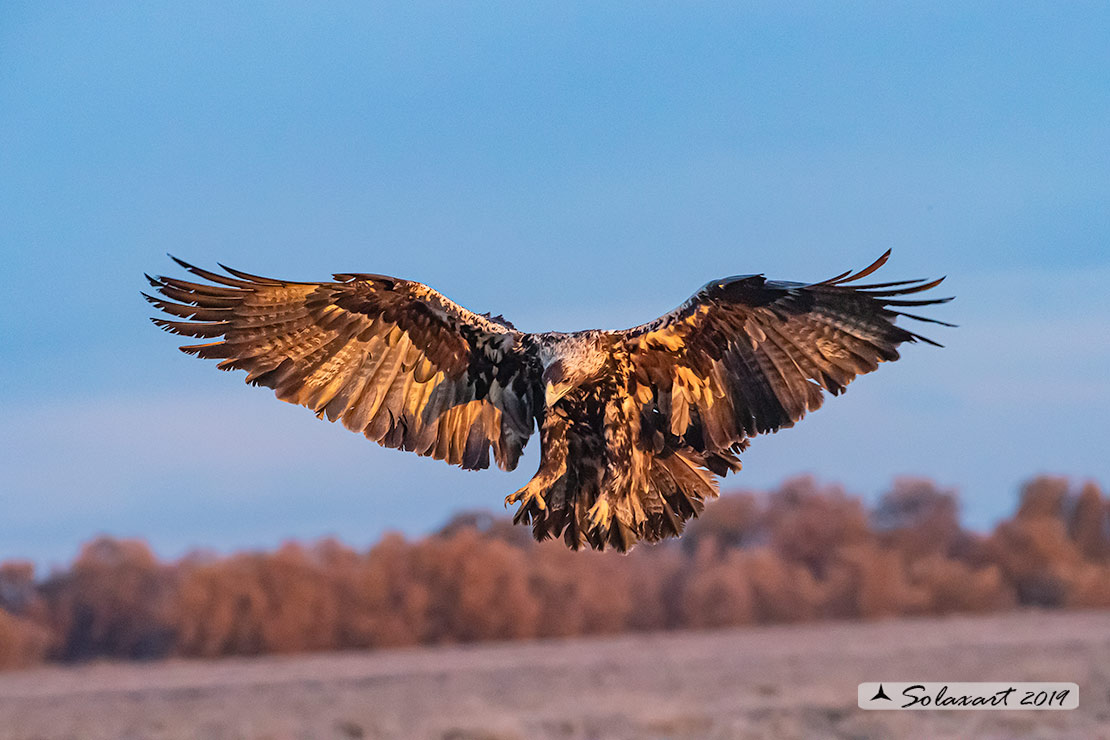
635,426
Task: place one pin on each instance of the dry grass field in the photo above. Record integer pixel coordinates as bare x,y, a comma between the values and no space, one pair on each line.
765,682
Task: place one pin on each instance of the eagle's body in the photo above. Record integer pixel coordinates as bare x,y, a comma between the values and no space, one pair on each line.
635,426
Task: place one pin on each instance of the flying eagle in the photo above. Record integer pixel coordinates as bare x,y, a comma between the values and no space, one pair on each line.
635,425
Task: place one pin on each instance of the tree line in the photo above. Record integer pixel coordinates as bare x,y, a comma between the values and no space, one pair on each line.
801,552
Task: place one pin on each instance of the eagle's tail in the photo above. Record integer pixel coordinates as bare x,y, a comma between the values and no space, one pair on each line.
589,504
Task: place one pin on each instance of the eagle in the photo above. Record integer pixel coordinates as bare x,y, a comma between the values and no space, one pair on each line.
636,426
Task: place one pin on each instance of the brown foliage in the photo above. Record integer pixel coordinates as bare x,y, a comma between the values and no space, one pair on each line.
719,592
22,642
1089,527
802,552
24,637
476,589
732,521
1053,551
957,586
116,599
254,603
809,525
917,518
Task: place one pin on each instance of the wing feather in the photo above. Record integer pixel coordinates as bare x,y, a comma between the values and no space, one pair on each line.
389,358
769,348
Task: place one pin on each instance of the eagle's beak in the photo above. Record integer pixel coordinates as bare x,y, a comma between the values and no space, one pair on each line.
553,392
554,383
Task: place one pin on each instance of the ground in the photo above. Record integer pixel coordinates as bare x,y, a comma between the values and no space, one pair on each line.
794,681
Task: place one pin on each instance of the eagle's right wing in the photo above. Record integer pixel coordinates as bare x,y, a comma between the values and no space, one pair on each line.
390,358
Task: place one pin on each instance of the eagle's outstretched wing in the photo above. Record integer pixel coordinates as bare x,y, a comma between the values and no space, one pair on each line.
390,358
746,355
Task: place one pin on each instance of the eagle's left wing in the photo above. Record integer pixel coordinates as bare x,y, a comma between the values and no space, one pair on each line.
390,358
747,356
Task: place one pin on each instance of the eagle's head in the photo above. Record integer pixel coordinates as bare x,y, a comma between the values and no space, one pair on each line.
574,360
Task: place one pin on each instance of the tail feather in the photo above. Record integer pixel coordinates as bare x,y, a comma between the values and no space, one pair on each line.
608,513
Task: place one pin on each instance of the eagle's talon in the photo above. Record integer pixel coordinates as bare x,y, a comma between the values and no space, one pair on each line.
526,496
599,514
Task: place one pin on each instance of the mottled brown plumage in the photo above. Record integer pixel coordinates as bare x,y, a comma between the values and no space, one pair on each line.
635,426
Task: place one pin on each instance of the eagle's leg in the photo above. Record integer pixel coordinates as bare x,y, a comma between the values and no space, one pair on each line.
553,466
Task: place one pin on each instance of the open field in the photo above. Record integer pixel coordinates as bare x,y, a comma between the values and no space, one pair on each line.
775,682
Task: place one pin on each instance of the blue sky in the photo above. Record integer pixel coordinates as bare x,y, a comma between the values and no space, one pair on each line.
568,165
